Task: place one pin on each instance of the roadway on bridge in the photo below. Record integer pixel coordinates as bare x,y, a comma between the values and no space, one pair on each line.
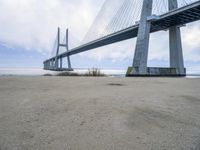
180,16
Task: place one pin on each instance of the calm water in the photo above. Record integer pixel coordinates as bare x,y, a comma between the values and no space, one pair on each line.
39,72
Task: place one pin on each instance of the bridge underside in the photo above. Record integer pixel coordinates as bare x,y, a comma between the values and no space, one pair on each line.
176,17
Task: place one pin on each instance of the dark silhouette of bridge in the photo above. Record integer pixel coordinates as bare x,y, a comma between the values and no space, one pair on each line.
148,23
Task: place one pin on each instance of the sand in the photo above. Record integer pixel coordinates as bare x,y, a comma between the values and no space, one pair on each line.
83,113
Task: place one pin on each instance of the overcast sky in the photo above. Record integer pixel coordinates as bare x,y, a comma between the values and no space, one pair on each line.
30,25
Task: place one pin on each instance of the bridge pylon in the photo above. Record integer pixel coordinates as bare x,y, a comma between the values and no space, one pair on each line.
56,63
142,44
139,67
175,44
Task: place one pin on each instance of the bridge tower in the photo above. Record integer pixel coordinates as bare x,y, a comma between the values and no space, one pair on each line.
142,44
139,67
175,44
56,64
57,51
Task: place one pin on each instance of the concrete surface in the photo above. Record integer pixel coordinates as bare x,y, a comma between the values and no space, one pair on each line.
74,113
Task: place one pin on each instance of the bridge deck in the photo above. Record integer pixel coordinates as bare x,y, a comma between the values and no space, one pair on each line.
180,16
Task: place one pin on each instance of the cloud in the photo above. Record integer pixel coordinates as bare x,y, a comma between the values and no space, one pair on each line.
32,24
191,40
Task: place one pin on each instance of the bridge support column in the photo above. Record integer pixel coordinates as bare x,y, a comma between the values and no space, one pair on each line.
67,48
46,65
56,63
57,52
139,66
61,63
175,44
51,64
69,64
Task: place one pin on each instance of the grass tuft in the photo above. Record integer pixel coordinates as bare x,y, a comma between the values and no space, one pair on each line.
47,74
94,72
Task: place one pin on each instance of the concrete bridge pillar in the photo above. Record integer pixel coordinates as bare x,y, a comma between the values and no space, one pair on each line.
54,64
48,64
139,67
69,63
57,52
142,44
51,64
61,63
175,44
67,48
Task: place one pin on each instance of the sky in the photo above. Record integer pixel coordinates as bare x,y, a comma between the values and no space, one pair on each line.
28,30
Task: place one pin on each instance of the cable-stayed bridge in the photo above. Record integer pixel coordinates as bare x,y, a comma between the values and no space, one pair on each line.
129,19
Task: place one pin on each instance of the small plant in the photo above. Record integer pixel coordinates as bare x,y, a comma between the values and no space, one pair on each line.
48,74
94,72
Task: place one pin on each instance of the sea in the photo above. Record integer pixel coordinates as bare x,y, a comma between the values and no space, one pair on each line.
41,72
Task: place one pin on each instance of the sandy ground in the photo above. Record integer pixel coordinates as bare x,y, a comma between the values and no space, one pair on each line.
74,113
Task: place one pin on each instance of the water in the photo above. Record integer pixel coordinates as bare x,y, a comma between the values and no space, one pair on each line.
23,72
193,76
40,72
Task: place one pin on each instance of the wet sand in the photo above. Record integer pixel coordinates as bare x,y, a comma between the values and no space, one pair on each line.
82,113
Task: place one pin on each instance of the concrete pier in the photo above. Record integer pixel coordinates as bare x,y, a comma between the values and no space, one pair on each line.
175,45
139,67
57,51
67,49
142,44
61,63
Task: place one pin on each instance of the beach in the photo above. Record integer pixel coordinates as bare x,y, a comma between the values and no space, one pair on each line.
99,113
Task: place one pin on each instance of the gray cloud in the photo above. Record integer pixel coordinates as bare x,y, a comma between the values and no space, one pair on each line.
32,24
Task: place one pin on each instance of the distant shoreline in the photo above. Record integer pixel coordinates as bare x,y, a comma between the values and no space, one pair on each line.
114,75
40,72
